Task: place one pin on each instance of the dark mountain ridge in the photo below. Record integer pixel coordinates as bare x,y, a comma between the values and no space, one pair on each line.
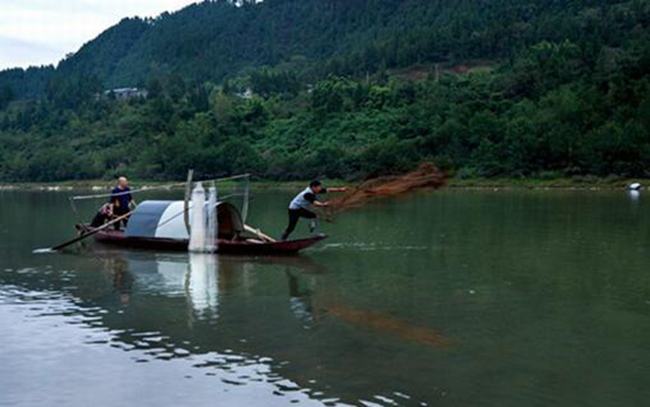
213,40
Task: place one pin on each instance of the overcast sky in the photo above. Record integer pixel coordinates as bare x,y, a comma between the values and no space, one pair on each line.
40,32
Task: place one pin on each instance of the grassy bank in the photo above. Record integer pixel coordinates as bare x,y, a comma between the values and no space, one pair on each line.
586,182
103,185
470,183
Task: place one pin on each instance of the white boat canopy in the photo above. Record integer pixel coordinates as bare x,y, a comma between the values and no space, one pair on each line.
164,220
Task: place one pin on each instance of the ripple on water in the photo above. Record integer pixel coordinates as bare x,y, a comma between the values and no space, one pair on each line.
231,367
61,315
372,246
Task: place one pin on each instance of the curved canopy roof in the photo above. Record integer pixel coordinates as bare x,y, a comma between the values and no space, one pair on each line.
164,220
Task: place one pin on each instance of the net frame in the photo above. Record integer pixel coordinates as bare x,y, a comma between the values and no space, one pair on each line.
238,185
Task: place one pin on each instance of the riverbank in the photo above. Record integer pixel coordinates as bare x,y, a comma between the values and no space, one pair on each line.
586,182
593,183
102,185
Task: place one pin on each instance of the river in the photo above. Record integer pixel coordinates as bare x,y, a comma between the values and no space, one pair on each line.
452,297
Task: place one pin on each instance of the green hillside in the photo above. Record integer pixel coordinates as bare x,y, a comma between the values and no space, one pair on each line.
343,88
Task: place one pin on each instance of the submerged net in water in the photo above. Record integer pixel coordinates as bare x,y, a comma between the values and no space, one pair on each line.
427,175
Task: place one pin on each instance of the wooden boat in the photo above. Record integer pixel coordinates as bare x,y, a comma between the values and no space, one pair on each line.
250,246
159,225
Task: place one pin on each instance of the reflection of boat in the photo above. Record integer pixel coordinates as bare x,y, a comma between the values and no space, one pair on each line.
199,277
202,283
203,278
277,309
157,225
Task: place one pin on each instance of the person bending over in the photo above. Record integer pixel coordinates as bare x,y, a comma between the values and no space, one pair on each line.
301,206
103,215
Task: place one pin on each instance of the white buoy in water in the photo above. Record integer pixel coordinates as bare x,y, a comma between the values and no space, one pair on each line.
635,186
42,251
197,229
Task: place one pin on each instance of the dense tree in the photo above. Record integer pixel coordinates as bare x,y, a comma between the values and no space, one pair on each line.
343,88
6,96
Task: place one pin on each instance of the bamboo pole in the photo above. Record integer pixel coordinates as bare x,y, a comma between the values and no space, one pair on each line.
186,206
90,233
259,234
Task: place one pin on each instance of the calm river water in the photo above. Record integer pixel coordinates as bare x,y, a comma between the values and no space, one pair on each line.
448,298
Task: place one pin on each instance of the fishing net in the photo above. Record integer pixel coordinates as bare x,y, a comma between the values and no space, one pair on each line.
235,190
427,175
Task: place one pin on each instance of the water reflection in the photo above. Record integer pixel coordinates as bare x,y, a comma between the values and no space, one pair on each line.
154,364
456,298
300,300
117,268
203,278
167,308
202,285
634,195
284,310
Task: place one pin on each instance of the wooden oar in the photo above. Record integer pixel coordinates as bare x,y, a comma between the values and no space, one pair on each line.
259,234
90,233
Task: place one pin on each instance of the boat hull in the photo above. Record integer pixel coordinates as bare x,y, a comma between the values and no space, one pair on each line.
290,247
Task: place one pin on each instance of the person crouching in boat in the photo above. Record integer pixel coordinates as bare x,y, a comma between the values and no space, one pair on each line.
103,215
121,200
301,206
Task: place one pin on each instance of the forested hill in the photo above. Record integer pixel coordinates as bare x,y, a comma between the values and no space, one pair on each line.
343,88
214,39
